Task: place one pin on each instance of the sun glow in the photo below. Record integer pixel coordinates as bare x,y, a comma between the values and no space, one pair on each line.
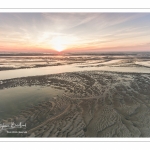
62,42
58,47
59,43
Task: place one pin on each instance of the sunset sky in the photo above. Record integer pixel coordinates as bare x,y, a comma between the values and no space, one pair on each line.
82,32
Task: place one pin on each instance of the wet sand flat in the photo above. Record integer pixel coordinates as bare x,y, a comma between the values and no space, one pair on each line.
92,104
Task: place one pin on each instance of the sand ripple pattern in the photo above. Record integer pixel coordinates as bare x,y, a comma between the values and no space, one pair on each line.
94,104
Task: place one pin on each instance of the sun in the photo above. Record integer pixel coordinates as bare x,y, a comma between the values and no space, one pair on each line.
58,47
58,43
63,42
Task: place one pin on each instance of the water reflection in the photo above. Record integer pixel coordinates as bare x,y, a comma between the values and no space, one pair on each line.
13,100
8,74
